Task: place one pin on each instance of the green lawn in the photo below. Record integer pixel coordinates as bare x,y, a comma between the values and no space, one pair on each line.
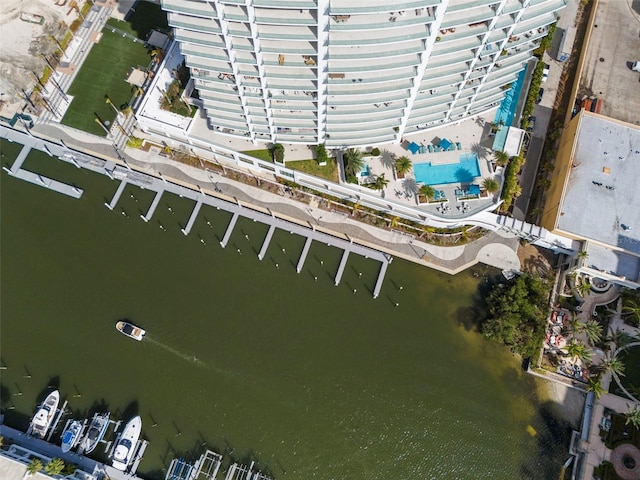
261,154
144,18
329,171
103,73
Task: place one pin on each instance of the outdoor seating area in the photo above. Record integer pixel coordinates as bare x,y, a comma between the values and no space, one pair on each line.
443,145
572,370
471,193
554,339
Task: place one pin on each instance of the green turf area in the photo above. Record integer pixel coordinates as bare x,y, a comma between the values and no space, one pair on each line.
144,17
103,73
329,171
261,154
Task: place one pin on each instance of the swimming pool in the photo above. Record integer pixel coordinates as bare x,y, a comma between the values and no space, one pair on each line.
463,171
507,110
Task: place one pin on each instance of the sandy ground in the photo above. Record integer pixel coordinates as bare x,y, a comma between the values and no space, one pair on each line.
536,260
22,43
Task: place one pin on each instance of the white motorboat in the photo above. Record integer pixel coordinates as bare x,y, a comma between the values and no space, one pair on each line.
130,330
123,452
96,431
71,435
44,416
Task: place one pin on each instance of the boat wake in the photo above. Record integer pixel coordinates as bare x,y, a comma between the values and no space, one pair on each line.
184,356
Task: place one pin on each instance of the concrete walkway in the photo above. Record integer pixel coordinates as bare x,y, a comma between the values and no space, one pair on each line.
495,249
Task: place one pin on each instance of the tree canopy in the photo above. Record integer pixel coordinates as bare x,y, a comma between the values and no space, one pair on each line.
516,314
353,162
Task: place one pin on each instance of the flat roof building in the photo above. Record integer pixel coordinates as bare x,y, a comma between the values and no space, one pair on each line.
347,73
595,195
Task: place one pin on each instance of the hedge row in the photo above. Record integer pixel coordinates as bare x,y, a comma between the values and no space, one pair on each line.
511,188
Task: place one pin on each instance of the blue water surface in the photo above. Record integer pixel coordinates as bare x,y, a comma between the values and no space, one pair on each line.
463,171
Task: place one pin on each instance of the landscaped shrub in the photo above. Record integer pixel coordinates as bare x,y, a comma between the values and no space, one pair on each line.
511,188
172,98
321,154
375,151
277,152
135,142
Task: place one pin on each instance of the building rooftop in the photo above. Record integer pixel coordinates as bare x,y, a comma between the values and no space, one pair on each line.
612,261
613,47
602,194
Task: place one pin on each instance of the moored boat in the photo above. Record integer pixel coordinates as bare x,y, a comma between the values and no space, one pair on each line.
71,435
44,416
96,431
130,330
123,452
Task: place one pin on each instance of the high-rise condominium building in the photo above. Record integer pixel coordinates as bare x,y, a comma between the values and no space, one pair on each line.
353,72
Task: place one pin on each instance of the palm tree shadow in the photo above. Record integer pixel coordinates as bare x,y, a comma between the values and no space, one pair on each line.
409,185
387,159
480,150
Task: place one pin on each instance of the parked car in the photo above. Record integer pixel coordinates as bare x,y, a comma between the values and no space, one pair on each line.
635,66
540,94
531,123
545,72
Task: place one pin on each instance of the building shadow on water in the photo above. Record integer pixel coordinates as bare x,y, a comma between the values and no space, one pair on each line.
553,436
553,422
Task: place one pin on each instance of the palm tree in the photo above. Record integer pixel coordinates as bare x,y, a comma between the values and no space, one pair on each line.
578,351
54,467
394,222
594,385
34,467
403,166
157,54
110,103
380,183
584,288
631,308
501,158
633,416
614,365
620,339
593,329
427,191
575,325
583,254
353,162
491,185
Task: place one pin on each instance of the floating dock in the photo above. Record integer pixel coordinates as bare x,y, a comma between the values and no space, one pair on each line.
267,240
192,218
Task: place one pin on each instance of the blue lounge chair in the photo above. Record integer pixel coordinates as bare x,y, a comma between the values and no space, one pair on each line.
458,145
423,149
459,192
430,148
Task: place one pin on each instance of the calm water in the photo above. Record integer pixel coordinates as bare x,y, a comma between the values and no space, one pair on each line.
308,379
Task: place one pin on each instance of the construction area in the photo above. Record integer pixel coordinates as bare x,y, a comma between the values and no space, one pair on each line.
34,27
